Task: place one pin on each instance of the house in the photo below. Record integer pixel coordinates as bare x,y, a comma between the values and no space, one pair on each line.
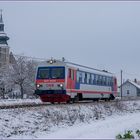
130,89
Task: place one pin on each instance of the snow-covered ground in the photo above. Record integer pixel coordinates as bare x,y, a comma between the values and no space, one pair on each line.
97,120
18,101
102,129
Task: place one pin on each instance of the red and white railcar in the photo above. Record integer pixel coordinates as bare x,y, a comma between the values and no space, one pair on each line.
59,81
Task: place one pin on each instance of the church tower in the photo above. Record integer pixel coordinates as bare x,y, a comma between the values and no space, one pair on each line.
4,48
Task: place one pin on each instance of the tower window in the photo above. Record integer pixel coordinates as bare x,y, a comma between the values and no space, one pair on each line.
1,28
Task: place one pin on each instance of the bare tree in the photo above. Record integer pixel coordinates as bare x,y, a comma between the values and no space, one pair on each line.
29,85
18,76
6,83
23,75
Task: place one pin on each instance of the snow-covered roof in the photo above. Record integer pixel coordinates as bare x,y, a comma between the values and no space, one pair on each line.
133,83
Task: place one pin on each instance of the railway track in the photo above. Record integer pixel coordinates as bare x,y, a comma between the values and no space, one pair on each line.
29,105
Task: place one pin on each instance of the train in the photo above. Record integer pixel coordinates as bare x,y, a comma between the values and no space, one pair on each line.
61,81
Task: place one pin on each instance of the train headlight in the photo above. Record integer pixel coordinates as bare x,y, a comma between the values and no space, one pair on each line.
38,85
51,61
60,85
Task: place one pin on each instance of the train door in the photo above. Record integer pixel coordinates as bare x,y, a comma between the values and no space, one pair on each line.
71,80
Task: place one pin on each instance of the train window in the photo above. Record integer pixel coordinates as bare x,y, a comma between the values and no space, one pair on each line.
80,77
109,81
101,80
69,73
43,73
104,80
72,74
77,76
92,78
88,78
98,79
57,73
83,77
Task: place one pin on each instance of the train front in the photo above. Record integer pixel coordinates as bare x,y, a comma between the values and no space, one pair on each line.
50,82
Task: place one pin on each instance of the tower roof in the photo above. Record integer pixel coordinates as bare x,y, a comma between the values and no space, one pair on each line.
1,19
3,36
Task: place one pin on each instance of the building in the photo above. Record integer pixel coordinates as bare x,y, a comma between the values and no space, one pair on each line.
130,89
5,56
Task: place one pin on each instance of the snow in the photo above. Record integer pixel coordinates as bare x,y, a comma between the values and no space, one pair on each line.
18,101
135,84
97,120
101,129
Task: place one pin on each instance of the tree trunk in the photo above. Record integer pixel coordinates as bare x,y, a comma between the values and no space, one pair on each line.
22,92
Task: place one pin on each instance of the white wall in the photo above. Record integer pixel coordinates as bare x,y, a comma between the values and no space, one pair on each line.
132,90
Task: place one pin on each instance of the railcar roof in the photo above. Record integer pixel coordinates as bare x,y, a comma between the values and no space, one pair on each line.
91,70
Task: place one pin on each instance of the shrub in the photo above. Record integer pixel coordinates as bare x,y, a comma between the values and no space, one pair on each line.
127,135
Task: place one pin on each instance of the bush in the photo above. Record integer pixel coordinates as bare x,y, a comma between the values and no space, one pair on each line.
128,135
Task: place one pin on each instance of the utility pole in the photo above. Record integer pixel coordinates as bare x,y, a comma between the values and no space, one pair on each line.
121,84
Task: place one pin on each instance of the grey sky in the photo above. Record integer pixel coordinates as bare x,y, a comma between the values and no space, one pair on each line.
104,35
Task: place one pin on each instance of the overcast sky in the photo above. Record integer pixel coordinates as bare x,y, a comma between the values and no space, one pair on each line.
104,35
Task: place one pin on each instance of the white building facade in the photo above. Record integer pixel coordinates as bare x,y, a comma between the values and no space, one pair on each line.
130,89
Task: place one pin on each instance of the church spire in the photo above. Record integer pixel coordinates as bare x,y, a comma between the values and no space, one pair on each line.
4,48
3,36
1,20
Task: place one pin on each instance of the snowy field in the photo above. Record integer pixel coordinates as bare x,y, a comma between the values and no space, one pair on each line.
102,129
18,101
98,120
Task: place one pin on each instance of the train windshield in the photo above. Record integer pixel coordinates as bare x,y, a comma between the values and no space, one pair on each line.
51,73
43,73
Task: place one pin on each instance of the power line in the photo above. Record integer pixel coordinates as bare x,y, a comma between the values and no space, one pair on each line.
134,74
